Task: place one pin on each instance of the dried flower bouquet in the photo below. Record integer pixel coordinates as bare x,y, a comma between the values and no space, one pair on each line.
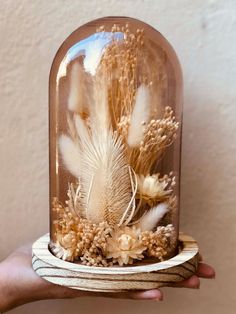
116,207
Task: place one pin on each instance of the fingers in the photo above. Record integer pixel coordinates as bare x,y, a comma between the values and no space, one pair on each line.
154,294
192,283
200,257
205,271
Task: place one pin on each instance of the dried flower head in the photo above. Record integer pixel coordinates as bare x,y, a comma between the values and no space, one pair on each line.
153,189
124,246
77,237
160,244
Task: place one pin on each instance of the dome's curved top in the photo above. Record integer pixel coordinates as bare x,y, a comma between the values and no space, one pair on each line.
90,40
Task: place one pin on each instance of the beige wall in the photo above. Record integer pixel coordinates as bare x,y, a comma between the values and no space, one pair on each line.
203,32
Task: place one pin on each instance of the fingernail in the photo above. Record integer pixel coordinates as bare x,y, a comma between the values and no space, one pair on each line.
159,299
153,295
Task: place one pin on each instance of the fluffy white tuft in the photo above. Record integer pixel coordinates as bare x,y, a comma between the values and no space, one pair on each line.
139,117
70,154
81,128
77,91
150,220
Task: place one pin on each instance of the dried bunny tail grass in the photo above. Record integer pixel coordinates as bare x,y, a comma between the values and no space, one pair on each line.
71,155
100,119
81,128
75,99
78,90
139,117
150,220
72,128
105,178
71,147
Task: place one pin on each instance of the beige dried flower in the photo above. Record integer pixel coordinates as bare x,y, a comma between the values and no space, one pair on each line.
77,237
154,189
66,247
160,244
124,246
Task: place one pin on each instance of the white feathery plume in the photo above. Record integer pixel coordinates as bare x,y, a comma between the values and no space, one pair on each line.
77,85
81,128
105,178
150,220
139,116
70,154
100,119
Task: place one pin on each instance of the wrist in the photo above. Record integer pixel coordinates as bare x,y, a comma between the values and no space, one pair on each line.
5,295
17,286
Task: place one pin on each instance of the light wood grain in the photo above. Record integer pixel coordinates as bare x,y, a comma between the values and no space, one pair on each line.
114,279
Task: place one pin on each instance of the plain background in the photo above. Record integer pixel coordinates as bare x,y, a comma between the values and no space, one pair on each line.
203,33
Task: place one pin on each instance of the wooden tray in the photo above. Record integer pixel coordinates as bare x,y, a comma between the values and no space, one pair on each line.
113,279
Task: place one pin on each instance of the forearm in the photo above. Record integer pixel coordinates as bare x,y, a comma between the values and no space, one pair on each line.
20,285
12,292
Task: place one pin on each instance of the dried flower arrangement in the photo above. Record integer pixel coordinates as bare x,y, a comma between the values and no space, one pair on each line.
114,142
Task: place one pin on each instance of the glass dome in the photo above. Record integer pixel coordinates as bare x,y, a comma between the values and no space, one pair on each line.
115,109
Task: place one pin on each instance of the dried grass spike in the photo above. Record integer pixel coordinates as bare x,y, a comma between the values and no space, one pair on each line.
71,155
150,220
77,89
81,128
139,117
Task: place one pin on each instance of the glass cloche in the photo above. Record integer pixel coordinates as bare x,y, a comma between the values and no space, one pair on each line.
115,140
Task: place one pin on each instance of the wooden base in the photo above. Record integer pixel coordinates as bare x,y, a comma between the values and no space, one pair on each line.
114,279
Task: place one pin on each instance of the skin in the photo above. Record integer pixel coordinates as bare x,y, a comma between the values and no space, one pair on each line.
19,284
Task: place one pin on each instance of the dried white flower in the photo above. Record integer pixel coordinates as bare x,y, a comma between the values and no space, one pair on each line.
125,245
154,189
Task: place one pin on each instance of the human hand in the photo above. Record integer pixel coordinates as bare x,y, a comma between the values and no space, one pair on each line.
19,284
